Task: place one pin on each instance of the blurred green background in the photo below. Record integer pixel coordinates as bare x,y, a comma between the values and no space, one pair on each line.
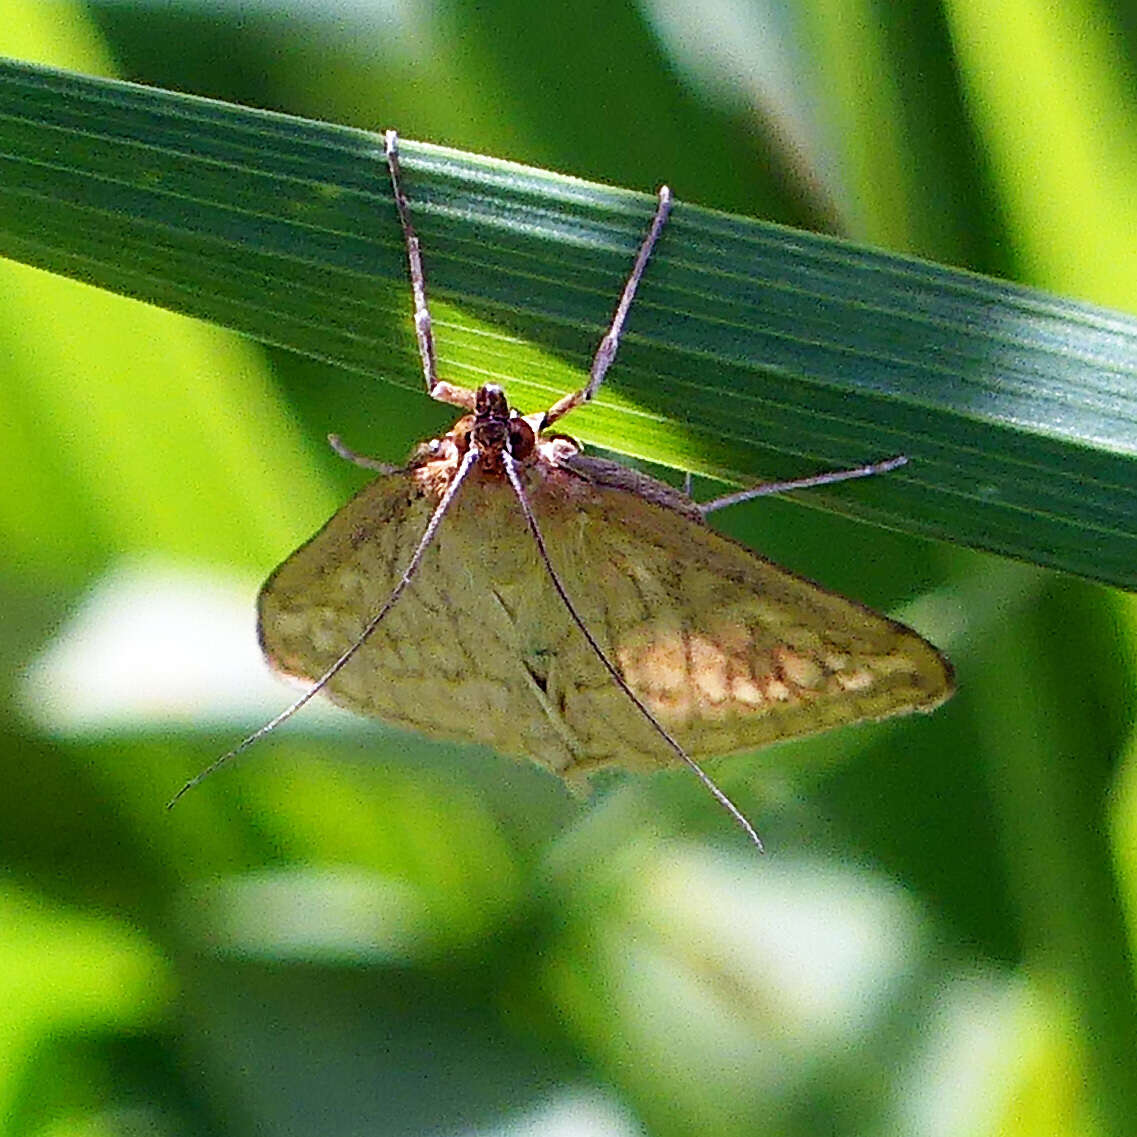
359,931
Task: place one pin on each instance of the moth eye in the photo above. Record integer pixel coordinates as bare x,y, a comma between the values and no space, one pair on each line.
521,439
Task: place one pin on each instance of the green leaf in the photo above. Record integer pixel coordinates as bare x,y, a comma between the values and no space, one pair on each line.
753,350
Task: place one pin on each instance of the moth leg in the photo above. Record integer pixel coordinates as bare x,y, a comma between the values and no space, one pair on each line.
769,489
606,352
349,455
435,387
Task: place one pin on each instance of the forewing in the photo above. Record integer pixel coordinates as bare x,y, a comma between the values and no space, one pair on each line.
728,650
445,661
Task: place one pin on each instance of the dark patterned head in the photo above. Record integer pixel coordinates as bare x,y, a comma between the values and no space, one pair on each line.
496,428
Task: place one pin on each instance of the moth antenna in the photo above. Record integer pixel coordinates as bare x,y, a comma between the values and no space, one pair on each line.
349,455
408,574
769,489
692,765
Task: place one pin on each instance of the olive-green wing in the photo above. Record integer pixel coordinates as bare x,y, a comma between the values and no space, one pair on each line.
445,660
728,650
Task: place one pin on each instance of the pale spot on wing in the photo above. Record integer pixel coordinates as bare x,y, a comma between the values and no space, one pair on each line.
745,690
673,706
859,680
653,659
708,668
797,668
777,690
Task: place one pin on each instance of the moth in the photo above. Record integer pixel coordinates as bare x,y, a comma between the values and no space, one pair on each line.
505,588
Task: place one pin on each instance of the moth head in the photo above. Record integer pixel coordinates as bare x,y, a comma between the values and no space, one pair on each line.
490,430
496,428
490,403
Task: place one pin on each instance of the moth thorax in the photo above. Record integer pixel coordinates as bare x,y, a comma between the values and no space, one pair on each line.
491,436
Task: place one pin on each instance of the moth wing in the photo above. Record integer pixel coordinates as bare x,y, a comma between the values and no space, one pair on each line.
445,660
730,651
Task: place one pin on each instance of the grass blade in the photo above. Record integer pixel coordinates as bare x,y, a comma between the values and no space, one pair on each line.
754,351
